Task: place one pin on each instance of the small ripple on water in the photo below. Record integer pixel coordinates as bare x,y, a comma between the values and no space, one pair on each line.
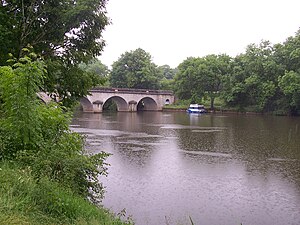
176,127
215,154
281,160
74,125
98,132
94,143
141,135
206,131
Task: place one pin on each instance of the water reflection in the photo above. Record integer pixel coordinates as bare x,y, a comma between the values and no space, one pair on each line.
216,169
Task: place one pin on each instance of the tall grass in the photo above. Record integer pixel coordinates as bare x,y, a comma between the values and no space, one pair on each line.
25,201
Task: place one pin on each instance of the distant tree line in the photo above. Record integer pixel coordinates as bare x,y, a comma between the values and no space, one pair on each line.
266,78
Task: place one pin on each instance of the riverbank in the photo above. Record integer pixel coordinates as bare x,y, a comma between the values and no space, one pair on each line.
221,108
214,111
23,200
226,111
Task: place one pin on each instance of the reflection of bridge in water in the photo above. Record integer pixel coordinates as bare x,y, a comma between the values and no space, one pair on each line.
127,100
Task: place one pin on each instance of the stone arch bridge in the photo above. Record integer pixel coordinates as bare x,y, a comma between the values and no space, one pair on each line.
127,100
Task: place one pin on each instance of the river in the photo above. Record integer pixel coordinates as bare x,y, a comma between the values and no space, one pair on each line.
170,167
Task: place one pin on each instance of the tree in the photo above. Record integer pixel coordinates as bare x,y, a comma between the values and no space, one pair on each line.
135,69
96,69
95,66
254,78
69,29
214,71
289,83
64,33
187,85
202,77
167,71
288,53
167,74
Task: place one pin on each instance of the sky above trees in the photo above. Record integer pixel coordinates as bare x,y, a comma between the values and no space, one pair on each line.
172,30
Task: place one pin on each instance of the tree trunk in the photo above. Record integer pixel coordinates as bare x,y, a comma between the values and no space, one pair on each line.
212,100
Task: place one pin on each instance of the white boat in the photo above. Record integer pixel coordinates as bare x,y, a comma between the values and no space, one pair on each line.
195,108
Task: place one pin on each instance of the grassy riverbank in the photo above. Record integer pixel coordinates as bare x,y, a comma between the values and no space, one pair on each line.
25,201
184,104
220,107
46,176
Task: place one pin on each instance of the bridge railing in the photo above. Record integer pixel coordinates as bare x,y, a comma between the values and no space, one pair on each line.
131,91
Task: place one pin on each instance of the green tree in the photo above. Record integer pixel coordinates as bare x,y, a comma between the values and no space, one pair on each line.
97,70
288,53
215,69
95,66
202,77
289,83
69,29
254,78
65,33
135,69
187,85
167,74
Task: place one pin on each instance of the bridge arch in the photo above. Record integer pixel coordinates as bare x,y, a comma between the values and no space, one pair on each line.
86,105
125,99
120,102
147,104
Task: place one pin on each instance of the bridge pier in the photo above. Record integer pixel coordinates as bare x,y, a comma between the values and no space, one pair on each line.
98,106
132,106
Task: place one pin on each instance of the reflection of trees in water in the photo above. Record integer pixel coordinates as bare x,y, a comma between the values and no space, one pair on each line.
264,144
136,152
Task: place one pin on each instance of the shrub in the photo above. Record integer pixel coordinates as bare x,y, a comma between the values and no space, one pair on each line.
38,135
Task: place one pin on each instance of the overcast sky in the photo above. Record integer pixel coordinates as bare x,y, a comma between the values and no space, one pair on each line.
172,30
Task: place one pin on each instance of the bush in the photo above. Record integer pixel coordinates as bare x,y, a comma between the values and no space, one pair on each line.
37,136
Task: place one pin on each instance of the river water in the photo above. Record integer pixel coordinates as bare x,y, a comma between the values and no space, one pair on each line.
168,168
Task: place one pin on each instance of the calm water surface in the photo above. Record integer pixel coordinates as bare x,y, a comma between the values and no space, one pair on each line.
216,169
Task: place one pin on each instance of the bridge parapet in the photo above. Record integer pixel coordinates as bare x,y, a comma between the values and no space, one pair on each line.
131,91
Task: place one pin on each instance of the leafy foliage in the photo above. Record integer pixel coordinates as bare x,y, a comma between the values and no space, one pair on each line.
37,135
65,33
289,83
167,74
135,69
18,87
253,79
95,66
54,28
202,77
68,82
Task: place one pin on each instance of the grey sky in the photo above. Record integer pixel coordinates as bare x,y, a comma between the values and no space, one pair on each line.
172,30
